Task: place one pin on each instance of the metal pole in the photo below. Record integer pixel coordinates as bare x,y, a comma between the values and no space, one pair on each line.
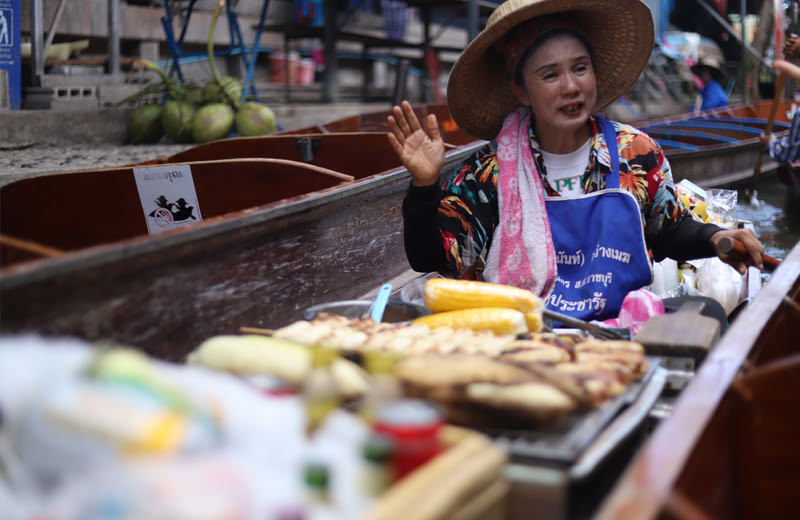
37,42
472,19
113,38
743,14
329,41
53,26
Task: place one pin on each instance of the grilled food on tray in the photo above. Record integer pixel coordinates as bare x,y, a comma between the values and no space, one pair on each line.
536,379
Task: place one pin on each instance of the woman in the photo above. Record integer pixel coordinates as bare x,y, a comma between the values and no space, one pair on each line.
548,205
712,95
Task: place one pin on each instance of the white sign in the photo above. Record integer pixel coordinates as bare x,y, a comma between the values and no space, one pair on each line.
168,196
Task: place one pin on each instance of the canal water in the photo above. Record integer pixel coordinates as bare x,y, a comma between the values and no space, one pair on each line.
776,217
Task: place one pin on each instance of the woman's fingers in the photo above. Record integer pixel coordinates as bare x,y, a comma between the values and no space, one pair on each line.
411,116
752,254
396,146
395,130
402,121
433,127
755,249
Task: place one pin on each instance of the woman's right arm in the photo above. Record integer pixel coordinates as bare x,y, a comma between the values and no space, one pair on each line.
446,230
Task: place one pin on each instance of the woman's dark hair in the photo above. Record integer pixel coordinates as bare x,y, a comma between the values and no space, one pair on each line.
518,79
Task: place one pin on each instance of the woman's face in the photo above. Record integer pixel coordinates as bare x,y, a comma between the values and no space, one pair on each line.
560,87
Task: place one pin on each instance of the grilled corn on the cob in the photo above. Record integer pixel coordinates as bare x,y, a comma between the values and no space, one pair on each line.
497,319
444,294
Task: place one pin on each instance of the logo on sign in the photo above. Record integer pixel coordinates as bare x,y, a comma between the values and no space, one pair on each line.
6,19
168,196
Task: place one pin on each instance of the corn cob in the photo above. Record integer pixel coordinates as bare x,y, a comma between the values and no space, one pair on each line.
534,321
497,319
443,294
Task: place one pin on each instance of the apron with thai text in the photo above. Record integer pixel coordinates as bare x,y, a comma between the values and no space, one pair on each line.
599,245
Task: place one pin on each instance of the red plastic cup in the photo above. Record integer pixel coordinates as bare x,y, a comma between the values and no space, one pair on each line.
413,425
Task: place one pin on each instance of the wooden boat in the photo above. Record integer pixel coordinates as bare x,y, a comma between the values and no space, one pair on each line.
718,146
715,148
319,219
729,448
376,122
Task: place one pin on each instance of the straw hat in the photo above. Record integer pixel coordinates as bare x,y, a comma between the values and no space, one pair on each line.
479,90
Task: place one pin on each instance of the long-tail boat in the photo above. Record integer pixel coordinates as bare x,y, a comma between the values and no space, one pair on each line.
288,221
729,448
717,146
713,148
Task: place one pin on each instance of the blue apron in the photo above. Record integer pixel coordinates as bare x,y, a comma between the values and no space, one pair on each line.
599,245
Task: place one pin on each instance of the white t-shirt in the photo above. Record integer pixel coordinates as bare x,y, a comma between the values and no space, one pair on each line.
564,171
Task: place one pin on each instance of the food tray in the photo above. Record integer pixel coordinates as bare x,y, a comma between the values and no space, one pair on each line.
563,442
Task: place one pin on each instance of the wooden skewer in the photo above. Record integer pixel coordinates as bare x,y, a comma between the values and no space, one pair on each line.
729,245
31,247
255,330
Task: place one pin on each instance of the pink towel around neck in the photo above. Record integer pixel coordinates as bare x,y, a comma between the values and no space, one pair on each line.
522,251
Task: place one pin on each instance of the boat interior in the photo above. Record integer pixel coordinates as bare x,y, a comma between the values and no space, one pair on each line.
728,126
48,215
728,449
376,122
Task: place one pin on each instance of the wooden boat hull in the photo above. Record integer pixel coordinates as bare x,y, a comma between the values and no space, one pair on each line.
258,265
376,122
718,146
729,448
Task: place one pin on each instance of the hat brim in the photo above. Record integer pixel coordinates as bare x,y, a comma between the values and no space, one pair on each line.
479,92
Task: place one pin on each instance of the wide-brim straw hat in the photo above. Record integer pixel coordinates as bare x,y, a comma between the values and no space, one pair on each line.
479,92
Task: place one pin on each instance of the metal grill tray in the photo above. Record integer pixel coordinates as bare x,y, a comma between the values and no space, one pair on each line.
564,442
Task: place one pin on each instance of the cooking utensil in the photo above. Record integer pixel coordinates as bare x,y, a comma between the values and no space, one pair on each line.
396,311
376,311
685,333
595,330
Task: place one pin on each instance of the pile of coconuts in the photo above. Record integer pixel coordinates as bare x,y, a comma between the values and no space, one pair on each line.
193,114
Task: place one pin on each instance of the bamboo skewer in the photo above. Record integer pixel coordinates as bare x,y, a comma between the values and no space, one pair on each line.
256,330
31,247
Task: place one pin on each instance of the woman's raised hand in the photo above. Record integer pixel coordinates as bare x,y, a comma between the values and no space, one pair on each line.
420,151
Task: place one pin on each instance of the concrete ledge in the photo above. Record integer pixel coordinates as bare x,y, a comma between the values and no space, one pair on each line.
29,127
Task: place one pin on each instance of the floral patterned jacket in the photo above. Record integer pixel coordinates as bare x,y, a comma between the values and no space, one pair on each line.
460,219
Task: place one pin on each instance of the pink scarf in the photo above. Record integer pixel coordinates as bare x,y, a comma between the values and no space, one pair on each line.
522,251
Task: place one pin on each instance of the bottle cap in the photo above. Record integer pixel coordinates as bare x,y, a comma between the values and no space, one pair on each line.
409,418
315,474
377,448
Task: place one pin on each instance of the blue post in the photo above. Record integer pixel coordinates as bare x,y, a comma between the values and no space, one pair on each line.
10,12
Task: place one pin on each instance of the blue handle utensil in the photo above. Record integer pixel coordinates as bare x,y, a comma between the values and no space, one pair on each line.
380,302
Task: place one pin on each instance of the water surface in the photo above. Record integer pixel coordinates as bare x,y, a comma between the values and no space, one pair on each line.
776,218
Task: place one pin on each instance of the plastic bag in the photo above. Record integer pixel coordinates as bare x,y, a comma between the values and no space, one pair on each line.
721,207
720,281
666,283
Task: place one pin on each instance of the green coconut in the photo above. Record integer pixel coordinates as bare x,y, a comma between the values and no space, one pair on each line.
212,122
144,124
255,119
226,90
176,120
193,94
